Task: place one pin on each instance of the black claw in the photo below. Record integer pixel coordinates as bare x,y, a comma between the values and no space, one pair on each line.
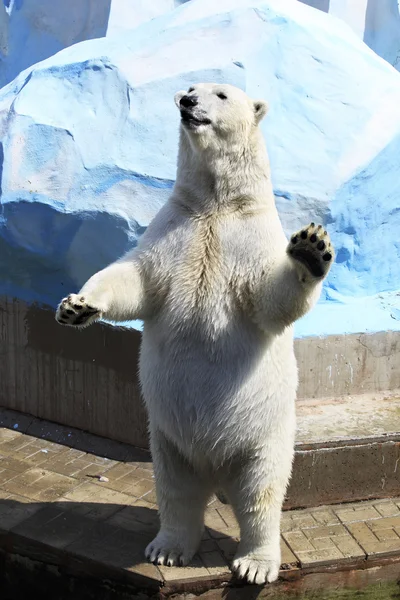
77,307
321,245
303,235
294,239
319,227
325,232
327,256
312,224
313,238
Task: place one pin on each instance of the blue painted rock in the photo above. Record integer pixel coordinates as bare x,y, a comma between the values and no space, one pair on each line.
89,144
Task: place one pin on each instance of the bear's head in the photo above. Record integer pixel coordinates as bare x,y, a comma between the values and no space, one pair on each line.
218,114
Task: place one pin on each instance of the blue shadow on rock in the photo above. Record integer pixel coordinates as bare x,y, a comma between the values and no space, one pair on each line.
45,254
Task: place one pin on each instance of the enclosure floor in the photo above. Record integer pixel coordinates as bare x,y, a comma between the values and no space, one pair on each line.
88,505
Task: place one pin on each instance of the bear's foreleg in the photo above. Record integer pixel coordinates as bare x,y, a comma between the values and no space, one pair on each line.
115,293
291,286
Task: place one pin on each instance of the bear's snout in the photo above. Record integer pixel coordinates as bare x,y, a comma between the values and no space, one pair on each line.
188,101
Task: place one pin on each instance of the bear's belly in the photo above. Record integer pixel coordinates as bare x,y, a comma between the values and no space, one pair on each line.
206,392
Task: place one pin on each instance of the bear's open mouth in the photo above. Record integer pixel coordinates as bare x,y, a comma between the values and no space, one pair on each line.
189,119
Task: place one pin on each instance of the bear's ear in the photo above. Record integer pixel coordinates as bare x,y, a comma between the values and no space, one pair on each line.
260,109
178,97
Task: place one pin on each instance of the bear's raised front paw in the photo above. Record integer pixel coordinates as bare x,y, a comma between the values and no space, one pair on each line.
75,311
256,568
312,247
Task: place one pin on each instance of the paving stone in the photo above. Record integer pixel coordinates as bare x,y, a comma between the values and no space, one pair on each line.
119,471
140,459
14,447
14,509
298,542
144,474
208,545
387,508
288,558
195,570
214,522
295,520
54,527
75,466
325,517
358,512
89,494
385,523
226,532
98,511
129,484
321,545
6,475
19,466
227,515
4,494
138,517
386,534
214,562
114,546
7,435
39,484
150,497
228,547
372,545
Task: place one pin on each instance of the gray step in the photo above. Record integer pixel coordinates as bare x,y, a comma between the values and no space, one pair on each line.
347,449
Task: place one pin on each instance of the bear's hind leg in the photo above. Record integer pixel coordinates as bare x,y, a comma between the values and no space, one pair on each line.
182,496
256,491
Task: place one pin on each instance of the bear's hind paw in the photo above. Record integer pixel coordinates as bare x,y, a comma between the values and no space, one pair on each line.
164,550
256,569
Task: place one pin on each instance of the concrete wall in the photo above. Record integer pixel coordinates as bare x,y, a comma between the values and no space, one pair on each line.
88,379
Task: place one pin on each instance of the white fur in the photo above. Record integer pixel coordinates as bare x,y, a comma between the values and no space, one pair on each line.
218,293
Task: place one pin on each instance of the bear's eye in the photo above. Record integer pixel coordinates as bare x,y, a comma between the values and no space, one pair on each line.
191,89
222,96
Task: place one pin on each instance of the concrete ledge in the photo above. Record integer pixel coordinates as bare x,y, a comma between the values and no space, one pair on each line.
347,449
88,379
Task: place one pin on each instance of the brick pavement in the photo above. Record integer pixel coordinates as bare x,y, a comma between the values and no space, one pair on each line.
54,504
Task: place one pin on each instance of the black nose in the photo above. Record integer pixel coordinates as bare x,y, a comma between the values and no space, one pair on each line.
188,101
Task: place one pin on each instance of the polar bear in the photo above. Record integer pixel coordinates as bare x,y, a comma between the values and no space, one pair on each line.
218,287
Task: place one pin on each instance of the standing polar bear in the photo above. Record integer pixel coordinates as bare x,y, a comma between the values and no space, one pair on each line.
218,288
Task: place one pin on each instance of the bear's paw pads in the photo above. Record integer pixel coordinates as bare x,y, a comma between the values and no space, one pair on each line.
256,569
75,311
312,247
168,552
